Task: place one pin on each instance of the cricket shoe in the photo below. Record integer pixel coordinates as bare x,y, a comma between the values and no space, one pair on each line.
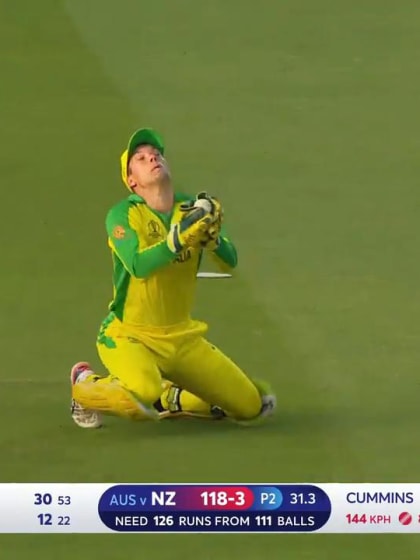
268,398
269,405
83,417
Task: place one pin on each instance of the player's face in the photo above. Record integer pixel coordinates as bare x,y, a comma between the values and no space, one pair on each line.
147,167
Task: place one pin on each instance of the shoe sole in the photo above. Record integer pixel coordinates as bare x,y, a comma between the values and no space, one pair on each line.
73,377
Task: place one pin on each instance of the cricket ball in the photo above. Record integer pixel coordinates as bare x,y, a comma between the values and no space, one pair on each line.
405,518
204,204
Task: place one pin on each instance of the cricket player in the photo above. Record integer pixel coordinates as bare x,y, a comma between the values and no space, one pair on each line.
159,363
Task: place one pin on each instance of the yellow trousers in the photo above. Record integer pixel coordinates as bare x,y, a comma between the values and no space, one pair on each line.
139,359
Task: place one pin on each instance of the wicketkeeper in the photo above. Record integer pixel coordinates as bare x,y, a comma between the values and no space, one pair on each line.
159,362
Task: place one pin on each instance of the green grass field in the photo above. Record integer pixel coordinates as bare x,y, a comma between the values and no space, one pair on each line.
303,118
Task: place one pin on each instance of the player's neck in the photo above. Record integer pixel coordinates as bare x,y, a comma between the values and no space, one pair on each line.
159,197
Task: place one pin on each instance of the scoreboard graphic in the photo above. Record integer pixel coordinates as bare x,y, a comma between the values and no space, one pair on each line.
209,508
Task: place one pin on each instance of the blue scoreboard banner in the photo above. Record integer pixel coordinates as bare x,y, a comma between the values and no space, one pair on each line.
209,508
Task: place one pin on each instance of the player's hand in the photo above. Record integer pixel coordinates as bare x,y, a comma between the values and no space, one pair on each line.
211,243
210,239
191,230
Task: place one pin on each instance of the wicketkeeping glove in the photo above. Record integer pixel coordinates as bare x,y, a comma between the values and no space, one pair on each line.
215,207
210,236
212,240
191,230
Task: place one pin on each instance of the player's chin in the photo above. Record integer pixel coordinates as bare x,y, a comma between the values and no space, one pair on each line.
160,174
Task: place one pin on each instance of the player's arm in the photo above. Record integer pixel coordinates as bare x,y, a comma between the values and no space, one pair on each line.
124,241
225,253
217,240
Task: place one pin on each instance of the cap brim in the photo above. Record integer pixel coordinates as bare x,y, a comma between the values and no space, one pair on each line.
144,136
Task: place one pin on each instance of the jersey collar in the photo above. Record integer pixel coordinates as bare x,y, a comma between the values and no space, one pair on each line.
137,198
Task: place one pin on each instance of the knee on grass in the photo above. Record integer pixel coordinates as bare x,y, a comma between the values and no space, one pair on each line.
248,408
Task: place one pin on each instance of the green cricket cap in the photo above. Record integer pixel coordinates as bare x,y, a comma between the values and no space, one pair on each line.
145,136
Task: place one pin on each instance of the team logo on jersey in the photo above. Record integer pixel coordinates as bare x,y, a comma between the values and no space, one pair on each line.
118,232
154,229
